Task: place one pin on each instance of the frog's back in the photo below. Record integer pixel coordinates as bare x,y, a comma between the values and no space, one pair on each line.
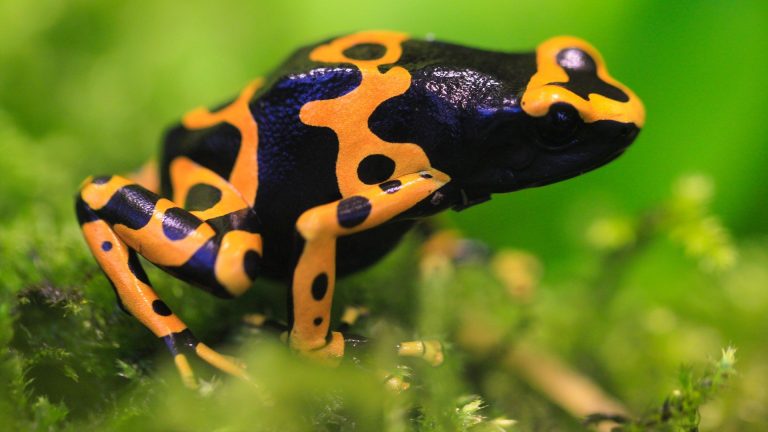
314,141
298,163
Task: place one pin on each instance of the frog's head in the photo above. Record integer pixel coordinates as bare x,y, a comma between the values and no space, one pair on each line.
570,118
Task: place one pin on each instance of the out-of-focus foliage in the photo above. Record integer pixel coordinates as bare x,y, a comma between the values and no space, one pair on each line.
644,266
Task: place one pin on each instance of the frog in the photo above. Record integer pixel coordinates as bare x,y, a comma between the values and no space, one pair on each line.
320,169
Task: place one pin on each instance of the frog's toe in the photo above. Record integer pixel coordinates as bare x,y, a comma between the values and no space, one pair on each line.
221,362
260,321
399,380
350,317
187,376
255,319
430,351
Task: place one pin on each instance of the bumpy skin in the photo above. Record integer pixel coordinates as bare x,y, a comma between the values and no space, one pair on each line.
321,168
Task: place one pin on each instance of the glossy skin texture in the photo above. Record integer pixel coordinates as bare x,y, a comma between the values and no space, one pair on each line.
321,168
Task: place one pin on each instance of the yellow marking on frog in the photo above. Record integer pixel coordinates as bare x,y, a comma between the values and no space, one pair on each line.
186,173
540,93
322,221
245,174
152,244
97,195
348,115
229,262
149,240
317,258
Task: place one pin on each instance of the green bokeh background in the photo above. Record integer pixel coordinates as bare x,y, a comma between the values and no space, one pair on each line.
87,86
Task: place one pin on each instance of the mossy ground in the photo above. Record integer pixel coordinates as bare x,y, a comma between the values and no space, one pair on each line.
647,272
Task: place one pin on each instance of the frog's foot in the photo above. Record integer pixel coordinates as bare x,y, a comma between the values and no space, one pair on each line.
449,244
262,322
224,363
182,343
330,351
350,316
397,381
430,351
255,320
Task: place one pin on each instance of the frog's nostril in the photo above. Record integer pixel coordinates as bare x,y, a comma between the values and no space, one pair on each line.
624,131
628,132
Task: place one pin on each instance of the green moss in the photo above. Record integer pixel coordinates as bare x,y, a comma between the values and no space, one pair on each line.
76,361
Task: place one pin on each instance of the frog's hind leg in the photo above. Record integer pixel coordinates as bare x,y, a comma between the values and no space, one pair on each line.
120,218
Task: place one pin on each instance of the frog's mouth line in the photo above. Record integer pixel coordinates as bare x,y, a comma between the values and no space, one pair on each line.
550,180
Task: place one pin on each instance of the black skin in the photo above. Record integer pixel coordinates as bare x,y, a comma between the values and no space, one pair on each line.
462,108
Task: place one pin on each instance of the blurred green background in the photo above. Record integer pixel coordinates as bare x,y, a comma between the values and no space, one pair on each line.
86,87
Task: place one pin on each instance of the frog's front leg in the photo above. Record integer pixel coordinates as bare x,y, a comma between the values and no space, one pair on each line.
314,275
120,218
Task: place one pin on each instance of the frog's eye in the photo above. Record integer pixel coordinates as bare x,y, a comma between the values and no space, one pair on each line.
558,128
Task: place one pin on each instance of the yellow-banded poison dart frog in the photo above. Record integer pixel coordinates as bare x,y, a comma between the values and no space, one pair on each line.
319,169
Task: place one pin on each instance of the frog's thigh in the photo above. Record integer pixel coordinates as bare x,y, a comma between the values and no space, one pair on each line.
120,218
314,275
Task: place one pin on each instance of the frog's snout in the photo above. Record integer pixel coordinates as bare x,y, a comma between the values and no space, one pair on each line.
629,132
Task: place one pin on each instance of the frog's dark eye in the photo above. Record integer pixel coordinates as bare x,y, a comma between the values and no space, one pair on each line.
558,128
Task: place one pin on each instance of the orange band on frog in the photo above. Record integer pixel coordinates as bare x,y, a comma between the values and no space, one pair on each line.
545,87
245,174
348,115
